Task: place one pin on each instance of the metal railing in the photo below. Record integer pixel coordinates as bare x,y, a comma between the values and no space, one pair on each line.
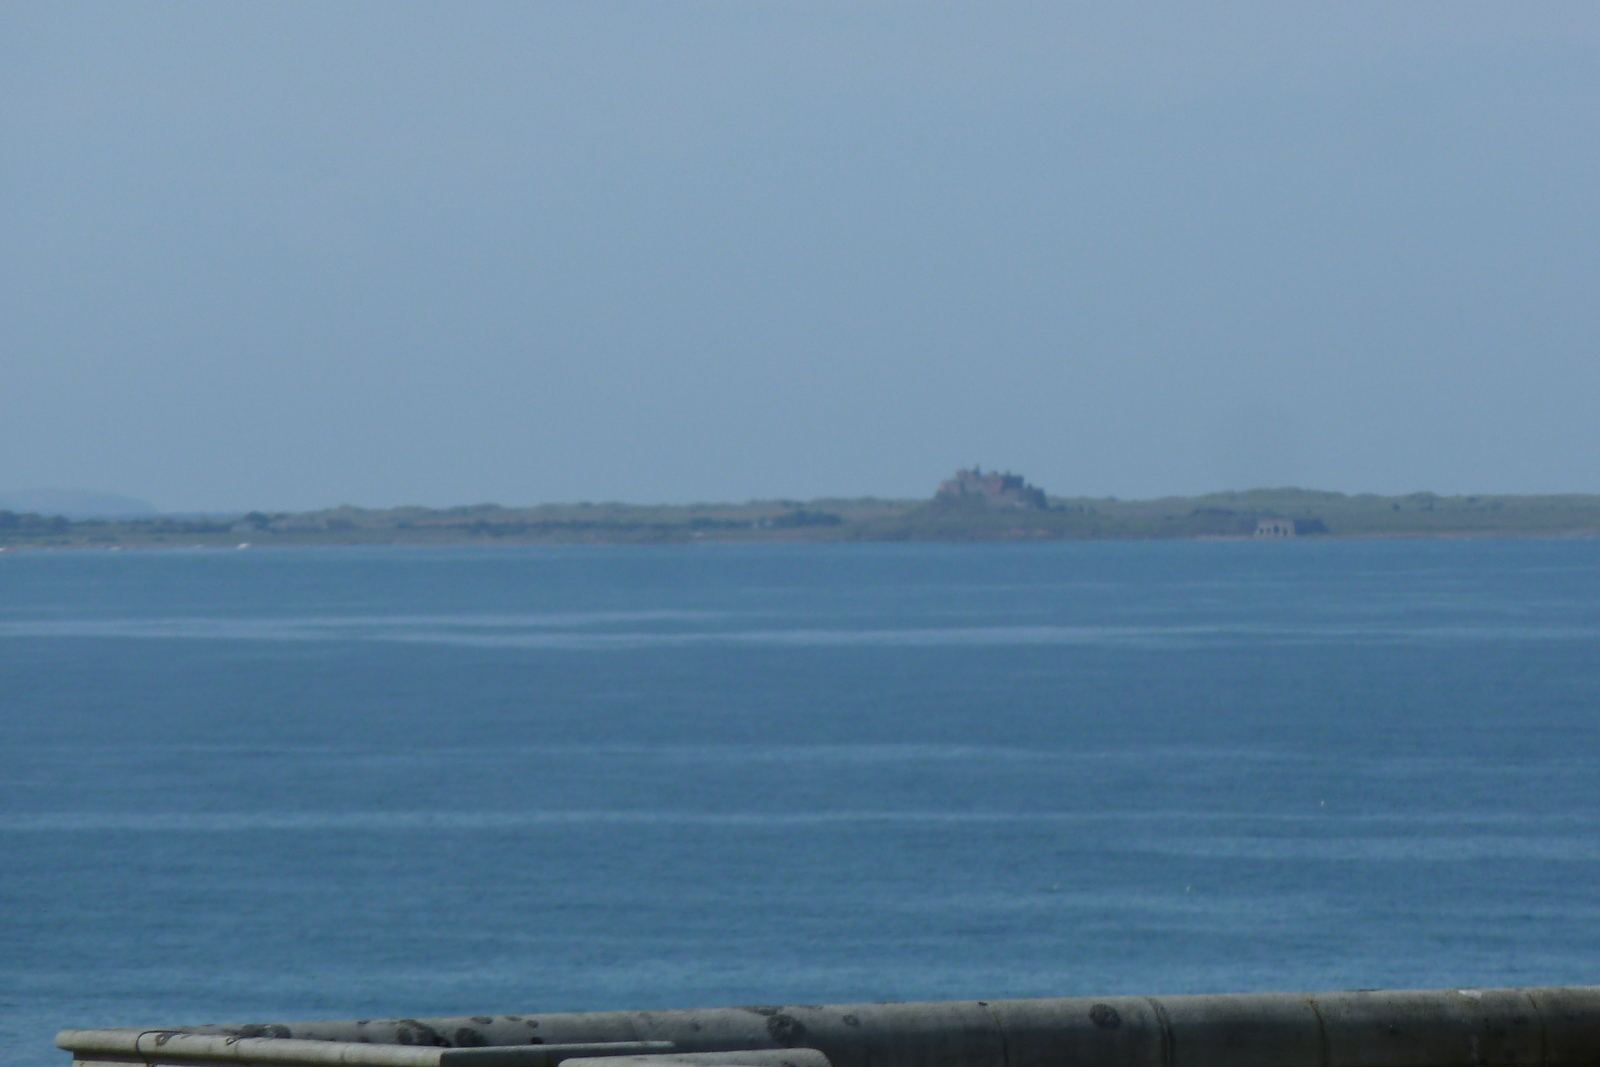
1556,1027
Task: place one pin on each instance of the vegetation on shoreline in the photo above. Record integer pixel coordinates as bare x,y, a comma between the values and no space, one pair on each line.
1232,514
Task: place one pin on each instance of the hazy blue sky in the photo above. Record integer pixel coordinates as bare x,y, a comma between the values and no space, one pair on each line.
293,255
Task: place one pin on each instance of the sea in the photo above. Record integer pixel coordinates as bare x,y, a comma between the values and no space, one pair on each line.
270,785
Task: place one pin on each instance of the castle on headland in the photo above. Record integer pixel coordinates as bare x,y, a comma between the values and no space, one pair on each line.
993,490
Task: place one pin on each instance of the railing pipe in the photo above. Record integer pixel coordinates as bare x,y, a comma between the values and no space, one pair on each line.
1553,1027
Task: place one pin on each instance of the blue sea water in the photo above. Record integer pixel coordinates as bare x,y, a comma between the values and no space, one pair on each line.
271,785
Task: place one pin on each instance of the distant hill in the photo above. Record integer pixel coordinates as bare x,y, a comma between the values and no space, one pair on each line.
983,507
76,504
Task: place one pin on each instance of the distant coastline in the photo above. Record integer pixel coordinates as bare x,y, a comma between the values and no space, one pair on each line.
971,507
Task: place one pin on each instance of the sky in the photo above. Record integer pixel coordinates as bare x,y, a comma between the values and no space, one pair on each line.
287,256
